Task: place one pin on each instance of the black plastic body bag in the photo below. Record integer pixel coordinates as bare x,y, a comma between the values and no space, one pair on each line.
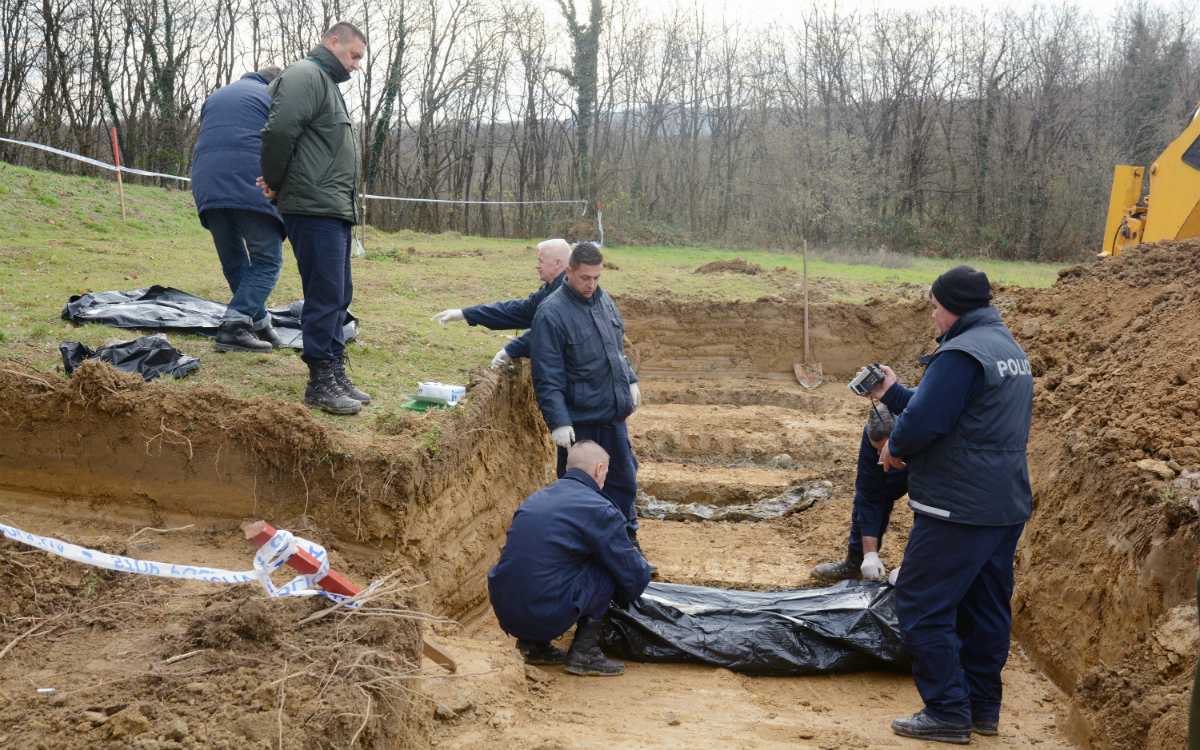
845,627
167,309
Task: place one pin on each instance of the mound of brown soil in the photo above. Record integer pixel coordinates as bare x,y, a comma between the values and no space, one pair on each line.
737,265
1107,565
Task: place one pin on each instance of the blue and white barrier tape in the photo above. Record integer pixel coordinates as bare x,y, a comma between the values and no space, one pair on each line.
269,558
131,170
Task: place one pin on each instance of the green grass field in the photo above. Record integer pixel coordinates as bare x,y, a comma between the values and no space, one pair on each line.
64,235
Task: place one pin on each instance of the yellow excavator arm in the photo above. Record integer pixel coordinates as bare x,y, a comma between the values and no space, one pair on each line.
1171,209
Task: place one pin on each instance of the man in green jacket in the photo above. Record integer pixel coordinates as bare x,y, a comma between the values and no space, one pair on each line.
309,161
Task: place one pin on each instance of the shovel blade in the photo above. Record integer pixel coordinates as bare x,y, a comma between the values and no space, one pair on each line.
809,374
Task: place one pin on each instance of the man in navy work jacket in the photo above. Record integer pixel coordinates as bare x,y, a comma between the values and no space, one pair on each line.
566,557
584,384
246,228
963,435
551,268
875,492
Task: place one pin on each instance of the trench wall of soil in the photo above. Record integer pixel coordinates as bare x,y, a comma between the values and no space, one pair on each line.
766,337
435,498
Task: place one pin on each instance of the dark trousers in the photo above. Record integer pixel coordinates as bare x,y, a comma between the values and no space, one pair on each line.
598,588
250,246
953,604
322,248
620,485
856,532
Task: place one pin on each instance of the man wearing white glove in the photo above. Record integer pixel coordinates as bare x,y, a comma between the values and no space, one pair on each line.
584,383
875,492
517,314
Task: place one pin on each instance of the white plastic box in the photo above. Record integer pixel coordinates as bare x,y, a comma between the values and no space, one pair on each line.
441,393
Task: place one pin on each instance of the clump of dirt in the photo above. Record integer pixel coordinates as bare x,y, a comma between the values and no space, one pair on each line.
737,265
1114,450
225,623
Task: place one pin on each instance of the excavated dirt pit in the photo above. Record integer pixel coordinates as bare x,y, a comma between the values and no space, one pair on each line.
1103,603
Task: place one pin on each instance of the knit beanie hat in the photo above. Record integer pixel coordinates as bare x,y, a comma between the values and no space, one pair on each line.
962,289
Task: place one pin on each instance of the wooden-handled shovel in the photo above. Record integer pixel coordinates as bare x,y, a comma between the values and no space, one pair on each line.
809,373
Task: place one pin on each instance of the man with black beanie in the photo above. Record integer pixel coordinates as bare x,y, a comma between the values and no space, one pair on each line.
962,435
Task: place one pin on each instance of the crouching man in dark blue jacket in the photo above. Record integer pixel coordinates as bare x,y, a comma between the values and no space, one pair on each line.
876,491
963,435
583,381
566,557
246,228
551,268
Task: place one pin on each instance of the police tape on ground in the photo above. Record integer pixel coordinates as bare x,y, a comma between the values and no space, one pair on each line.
269,558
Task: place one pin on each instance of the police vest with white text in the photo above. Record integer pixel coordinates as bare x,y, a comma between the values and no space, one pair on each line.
978,473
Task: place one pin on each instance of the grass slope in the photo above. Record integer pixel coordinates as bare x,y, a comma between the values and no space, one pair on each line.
64,235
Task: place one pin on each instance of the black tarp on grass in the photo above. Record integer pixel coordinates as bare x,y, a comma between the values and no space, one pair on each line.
149,356
843,628
166,309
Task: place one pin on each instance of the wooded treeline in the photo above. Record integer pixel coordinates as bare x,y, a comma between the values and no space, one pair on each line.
946,131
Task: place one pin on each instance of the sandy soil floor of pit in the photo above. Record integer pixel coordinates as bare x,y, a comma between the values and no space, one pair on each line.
726,451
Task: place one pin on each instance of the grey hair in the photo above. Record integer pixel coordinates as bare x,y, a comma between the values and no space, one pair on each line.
880,423
271,72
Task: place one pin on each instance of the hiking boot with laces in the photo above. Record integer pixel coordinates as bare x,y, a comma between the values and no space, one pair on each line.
323,392
585,658
343,381
540,652
842,570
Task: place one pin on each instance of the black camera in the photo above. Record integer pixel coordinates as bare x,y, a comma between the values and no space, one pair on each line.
866,380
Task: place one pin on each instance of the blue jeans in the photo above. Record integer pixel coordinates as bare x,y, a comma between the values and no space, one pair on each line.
953,603
620,486
322,248
250,246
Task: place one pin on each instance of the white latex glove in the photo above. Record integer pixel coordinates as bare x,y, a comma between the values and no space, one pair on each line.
448,316
564,436
636,395
501,359
895,574
872,567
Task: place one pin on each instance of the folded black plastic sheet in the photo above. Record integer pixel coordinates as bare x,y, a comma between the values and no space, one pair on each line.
168,309
149,356
846,627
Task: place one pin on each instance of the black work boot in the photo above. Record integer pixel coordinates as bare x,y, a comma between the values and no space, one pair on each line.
268,334
540,652
922,726
842,570
634,541
323,391
985,728
343,381
238,337
585,658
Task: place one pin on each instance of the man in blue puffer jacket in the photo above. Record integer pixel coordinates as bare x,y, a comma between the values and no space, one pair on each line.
246,228
583,381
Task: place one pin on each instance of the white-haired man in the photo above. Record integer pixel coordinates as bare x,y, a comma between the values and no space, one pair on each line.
517,314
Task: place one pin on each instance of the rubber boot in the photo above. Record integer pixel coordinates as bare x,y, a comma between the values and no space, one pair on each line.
343,381
842,570
922,726
585,658
323,391
239,337
634,541
540,652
